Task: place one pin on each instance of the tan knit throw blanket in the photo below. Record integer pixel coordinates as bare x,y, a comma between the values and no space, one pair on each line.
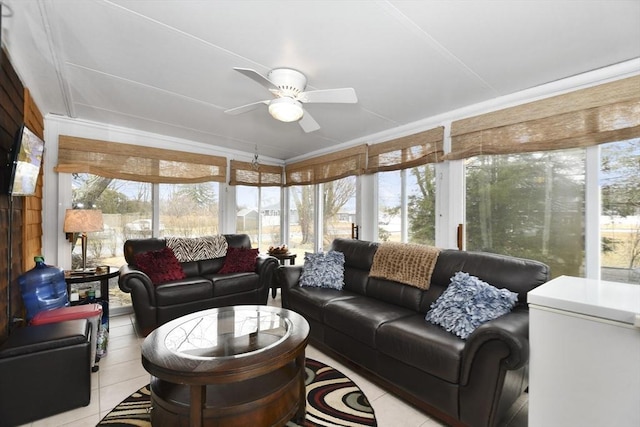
406,263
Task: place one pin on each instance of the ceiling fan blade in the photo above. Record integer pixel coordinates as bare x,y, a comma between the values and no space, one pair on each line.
255,76
346,95
307,123
245,108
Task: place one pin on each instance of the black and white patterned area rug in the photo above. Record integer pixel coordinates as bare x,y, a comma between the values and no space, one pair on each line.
332,400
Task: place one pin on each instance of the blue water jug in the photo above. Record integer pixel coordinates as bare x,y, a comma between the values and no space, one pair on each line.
43,288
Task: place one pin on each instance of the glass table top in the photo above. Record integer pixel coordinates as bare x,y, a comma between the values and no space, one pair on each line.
227,333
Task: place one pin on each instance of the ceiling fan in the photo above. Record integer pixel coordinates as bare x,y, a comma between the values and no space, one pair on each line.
287,86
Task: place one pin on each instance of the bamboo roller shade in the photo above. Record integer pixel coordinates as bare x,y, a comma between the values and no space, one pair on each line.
604,113
329,167
407,152
137,163
244,173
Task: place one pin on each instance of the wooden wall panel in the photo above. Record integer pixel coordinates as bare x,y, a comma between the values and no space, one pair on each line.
11,259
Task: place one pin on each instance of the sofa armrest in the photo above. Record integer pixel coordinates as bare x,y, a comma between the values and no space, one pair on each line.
512,330
265,263
143,296
266,267
130,278
289,275
494,369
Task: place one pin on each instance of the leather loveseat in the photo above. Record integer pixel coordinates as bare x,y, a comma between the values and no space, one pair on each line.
203,287
380,325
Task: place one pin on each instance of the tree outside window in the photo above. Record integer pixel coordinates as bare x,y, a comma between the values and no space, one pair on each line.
620,215
530,206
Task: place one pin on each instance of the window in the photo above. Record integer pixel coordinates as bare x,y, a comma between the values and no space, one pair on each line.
258,215
389,206
189,210
421,204
126,211
620,212
529,205
414,212
301,219
270,214
338,208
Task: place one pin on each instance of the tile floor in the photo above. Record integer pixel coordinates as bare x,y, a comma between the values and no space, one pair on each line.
121,373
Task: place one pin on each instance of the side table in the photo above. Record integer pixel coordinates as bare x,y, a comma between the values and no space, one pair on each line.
73,277
282,258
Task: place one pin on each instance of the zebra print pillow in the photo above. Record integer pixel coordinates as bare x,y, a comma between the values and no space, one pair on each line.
198,248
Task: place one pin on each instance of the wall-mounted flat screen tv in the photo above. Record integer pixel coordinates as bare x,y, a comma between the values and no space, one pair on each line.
26,158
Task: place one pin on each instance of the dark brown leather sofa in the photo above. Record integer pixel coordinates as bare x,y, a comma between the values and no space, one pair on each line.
380,326
203,287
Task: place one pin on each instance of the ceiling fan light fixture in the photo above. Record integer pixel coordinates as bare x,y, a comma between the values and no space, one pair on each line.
286,109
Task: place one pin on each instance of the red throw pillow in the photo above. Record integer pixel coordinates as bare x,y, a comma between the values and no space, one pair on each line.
161,266
240,260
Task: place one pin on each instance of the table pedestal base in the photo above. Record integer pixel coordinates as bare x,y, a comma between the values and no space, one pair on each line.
269,400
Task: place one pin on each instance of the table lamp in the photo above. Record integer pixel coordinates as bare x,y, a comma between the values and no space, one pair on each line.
83,221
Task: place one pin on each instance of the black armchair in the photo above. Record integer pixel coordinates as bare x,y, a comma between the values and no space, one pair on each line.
44,370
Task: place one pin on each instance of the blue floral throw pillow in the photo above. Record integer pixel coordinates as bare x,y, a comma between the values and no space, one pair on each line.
469,302
323,270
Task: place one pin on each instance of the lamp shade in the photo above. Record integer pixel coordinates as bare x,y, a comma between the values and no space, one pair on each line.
286,109
82,220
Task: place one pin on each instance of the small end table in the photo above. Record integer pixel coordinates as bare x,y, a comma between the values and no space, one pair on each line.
73,277
282,258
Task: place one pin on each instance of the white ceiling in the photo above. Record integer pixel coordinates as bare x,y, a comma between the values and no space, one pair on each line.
166,66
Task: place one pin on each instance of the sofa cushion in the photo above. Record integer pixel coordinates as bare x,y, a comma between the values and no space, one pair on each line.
310,302
210,266
360,317
184,291
239,260
422,345
395,293
323,270
161,266
469,302
228,284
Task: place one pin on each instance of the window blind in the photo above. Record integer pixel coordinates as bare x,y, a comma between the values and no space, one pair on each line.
604,113
137,163
244,173
407,152
328,167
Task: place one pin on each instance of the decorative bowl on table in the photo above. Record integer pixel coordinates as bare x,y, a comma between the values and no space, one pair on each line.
278,250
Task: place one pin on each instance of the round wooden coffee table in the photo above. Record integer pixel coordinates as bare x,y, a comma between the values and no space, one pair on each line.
230,366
